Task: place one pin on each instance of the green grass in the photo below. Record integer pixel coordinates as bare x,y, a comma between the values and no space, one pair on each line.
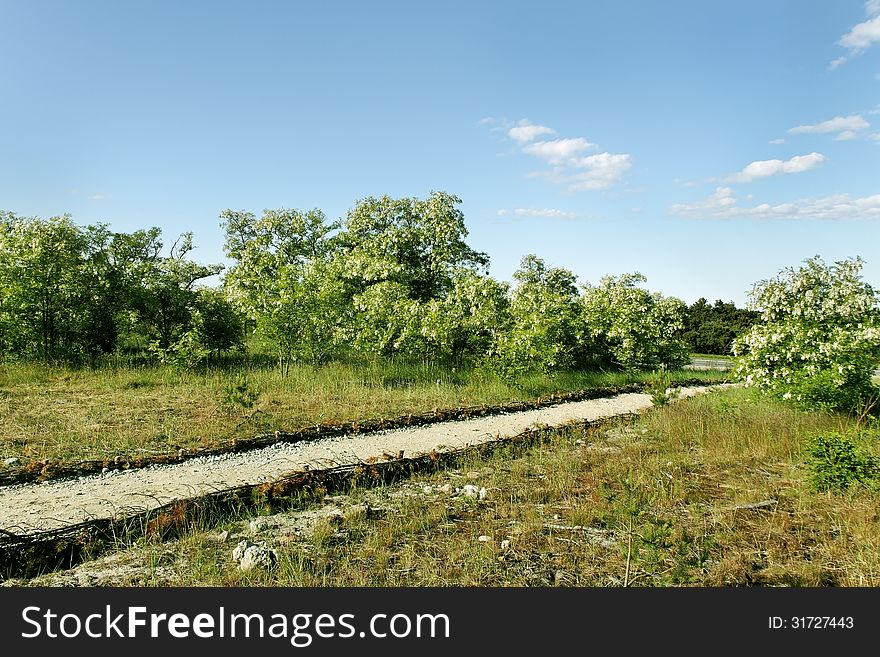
79,414
708,491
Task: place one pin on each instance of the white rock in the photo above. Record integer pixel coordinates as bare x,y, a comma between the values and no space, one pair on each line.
482,494
12,460
505,544
427,490
485,539
250,555
261,523
470,490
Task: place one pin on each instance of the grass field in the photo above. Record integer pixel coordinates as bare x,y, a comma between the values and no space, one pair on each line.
78,414
709,491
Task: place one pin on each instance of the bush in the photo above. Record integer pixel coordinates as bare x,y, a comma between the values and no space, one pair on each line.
836,463
818,340
239,394
826,391
631,327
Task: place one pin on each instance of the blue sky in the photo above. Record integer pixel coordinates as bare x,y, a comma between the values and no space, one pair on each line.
705,144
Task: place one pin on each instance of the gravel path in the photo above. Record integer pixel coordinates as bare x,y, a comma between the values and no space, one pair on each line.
31,508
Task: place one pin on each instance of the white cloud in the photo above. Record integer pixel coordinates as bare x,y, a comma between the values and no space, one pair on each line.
569,164
558,151
767,168
854,123
846,135
602,171
875,137
861,36
776,142
547,213
524,131
723,205
541,213
593,173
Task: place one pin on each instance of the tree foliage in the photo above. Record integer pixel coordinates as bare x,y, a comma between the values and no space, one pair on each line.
818,338
631,327
418,244
394,278
282,281
544,320
712,328
73,293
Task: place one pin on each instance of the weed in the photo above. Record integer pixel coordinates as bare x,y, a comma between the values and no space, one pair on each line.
836,463
659,387
239,394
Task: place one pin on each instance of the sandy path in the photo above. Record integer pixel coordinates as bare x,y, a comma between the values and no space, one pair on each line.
30,508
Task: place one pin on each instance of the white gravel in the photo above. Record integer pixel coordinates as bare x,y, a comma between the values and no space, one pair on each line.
30,508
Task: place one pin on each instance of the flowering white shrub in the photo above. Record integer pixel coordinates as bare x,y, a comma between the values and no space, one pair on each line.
544,313
631,327
818,340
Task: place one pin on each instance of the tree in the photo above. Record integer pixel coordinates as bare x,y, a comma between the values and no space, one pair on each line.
545,315
818,339
44,285
284,280
387,322
70,292
416,243
631,327
399,259
712,328
219,327
167,296
469,320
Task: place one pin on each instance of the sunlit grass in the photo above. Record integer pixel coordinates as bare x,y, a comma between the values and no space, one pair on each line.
77,414
708,491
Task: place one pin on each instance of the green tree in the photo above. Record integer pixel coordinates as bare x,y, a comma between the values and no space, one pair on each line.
416,243
219,327
818,340
712,328
469,320
44,285
399,259
631,327
545,316
285,282
164,301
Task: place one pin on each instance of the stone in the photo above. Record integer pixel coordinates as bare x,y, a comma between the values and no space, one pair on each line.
251,555
485,539
12,460
260,524
469,490
505,544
